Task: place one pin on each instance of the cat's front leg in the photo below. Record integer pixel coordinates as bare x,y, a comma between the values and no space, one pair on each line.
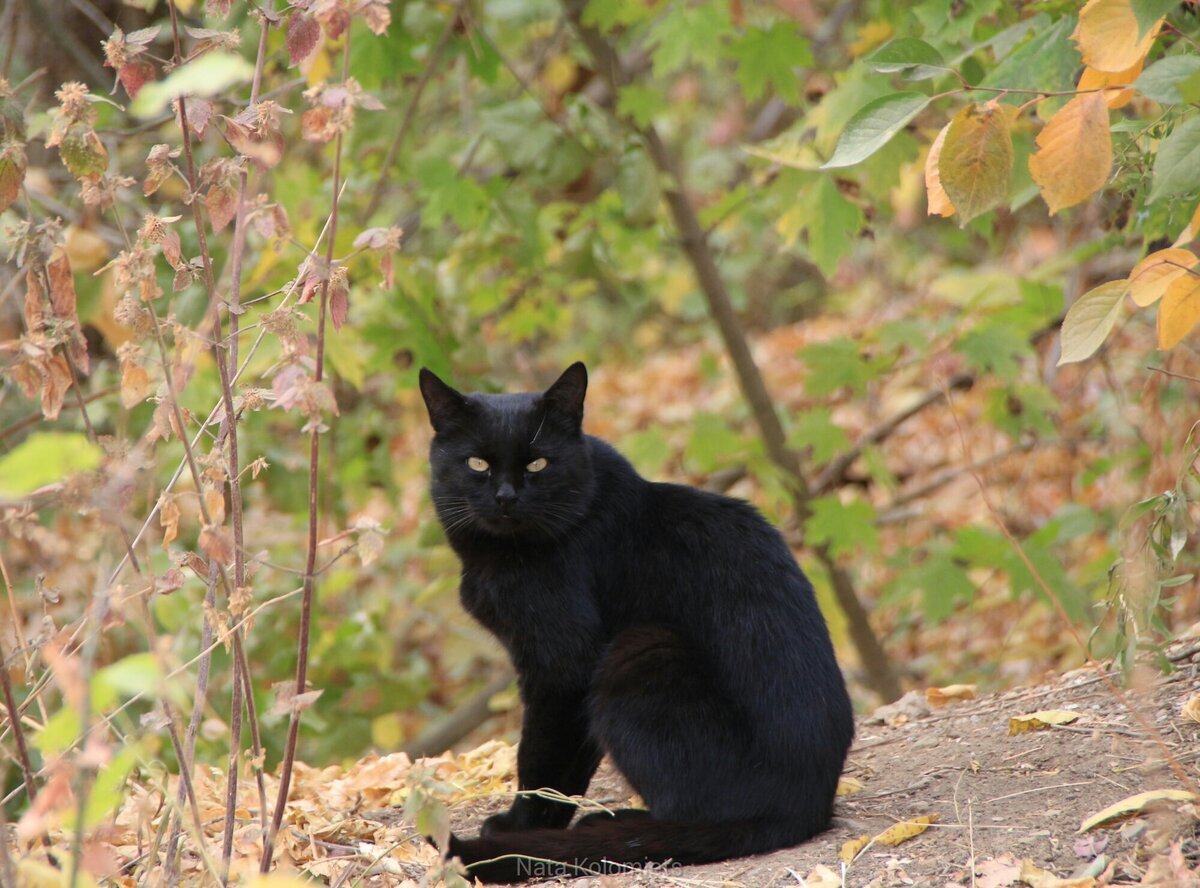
557,753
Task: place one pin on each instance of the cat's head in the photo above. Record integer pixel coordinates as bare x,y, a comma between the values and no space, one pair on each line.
513,465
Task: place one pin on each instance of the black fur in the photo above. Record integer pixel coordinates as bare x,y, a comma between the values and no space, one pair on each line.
666,626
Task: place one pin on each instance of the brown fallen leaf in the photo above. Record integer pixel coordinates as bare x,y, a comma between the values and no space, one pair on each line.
936,697
999,872
1033,721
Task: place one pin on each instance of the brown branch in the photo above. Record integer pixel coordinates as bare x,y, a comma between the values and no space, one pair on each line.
34,418
834,474
14,721
460,722
698,251
946,476
314,458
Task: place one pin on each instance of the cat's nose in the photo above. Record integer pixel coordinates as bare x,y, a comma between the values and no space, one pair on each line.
506,494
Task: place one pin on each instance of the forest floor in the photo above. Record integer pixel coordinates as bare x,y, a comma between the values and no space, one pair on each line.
999,799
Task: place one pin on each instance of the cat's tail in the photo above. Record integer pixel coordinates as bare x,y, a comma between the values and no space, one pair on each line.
611,845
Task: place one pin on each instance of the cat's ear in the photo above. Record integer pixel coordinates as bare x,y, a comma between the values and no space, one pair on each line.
444,403
565,397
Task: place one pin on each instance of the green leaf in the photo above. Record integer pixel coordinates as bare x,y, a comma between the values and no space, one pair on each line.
993,347
713,443
907,54
1147,12
446,193
1047,62
1161,80
44,458
1090,319
768,57
845,527
834,226
873,126
640,103
213,74
60,731
637,183
689,34
1177,166
815,428
942,583
647,449
836,364
133,675
107,791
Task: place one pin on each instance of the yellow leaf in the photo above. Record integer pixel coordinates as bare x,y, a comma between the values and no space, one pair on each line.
852,848
1020,724
1090,320
1134,804
1193,228
976,160
86,249
1107,35
1093,78
949,694
1036,877
849,786
1180,310
1191,709
1074,152
905,830
939,201
1150,278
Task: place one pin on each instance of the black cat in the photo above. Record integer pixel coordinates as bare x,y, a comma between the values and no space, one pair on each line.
665,626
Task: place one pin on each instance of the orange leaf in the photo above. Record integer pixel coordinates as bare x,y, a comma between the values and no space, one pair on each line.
1150,278
1093,78
1074,153
939,201
1180,310
1107,35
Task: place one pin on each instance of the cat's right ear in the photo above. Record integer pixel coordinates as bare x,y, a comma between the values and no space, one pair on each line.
444,403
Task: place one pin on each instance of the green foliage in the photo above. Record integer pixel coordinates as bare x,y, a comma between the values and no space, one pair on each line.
46,457
847,528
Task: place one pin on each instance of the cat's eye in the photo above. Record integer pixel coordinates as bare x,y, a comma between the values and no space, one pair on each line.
476,464
537,465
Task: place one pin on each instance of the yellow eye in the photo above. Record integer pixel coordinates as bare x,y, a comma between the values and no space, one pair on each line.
476,464
537,465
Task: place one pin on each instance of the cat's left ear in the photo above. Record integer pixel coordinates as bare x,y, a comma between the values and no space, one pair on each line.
444,403
565,397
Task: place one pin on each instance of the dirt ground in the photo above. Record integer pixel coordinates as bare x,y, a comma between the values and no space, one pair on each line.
1000,799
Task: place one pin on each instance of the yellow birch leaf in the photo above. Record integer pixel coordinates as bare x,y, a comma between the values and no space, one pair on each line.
853,848
1150,278
1191,709
939,201
1019,724
848,786
1074,153
1107,35
949,694
1180,310
1093,78
976,160
1036,877
904,830
1134,804
1090,320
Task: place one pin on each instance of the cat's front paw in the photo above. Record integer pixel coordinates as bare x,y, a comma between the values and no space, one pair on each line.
504,822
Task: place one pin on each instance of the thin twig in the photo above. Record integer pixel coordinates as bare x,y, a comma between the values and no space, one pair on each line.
14,721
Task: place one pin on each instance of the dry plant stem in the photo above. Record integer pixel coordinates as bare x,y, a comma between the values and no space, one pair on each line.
256,747
35,418
410,112
14,721
1144,722
314,456
695,245
80,784
7,876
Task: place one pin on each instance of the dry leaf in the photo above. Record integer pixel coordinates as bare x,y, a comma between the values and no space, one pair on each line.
853,848
1020,724
1191,709
905,830
1074,153
1107,35
849,786
217,544
999,872
949,694
1180,310
821,877
1039,878
1152,276
1133,805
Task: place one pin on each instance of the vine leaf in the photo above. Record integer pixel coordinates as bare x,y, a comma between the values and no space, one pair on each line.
976,160
1089,321
1074,153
